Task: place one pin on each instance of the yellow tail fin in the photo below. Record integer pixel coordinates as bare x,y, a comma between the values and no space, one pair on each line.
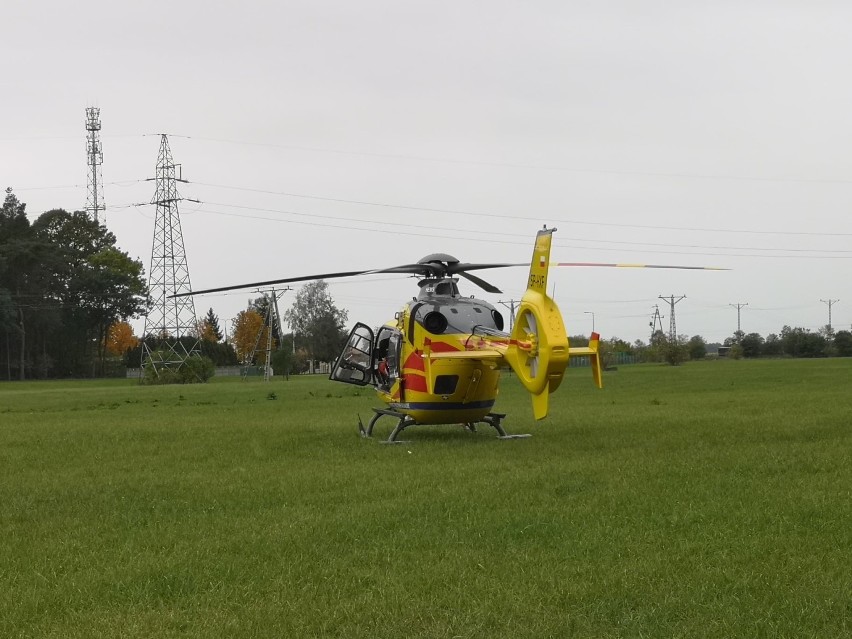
592,351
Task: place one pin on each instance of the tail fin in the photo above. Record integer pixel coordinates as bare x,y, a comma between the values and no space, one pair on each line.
538,351
592,351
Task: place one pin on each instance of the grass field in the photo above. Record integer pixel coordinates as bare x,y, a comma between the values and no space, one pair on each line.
709,500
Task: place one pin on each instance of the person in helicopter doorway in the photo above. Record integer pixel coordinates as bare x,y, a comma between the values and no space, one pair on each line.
382,374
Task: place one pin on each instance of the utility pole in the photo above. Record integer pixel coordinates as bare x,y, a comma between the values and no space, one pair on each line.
94,153
592,313
171,325
271,320
656,320
830,304
738,306
511,306
672,326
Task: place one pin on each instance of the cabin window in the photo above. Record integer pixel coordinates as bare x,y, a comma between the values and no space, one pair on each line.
446,384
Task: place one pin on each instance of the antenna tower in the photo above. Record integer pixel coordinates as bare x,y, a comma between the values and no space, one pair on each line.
672,326
171,333
94,152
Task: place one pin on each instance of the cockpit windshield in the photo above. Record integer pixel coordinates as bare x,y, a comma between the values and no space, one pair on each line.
459,316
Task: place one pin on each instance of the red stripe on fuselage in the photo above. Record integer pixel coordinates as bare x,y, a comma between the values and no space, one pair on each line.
443,347
414,382
415,361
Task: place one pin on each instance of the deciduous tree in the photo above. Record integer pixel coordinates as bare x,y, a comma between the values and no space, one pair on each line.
121,338
247,327
317,321
752,345
697,347
66,283
843,343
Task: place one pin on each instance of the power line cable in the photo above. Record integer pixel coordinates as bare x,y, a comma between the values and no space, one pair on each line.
475,235
125,183
74,186
580,239
521,165
520,218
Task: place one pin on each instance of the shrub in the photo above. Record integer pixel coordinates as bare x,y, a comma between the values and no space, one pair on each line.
195,369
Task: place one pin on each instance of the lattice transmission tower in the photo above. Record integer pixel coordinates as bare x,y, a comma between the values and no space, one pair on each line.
672,325
95,155
656,322
171,333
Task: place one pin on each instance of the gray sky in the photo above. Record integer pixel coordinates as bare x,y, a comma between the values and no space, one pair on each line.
688,133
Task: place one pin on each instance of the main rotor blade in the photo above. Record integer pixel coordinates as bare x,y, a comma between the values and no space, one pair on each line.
285,280
459,266
436,270
479,282
403,268
615,265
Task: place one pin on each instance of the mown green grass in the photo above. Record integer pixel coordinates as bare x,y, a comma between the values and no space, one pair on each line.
708,500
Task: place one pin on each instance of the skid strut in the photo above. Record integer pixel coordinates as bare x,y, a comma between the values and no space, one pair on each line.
404,421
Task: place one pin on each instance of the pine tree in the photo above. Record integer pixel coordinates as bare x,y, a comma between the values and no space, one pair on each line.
210,327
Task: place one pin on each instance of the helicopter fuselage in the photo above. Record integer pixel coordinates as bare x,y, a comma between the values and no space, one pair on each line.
405,363
438,361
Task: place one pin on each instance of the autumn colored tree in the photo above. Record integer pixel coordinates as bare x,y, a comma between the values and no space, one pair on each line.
120,338
248,325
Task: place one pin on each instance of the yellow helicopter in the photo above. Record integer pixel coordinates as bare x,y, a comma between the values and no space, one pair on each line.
439,360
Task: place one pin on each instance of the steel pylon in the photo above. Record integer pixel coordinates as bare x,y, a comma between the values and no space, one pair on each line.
171,330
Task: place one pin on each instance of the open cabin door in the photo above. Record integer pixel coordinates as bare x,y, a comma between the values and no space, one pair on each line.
386,357
355,363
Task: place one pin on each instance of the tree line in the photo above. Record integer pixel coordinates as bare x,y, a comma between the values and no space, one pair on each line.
318,334
63,284
790,342
67,294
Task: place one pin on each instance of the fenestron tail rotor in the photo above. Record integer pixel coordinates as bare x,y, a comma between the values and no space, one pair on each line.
528,325
538,350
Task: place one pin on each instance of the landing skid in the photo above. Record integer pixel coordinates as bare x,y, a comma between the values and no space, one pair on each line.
404,421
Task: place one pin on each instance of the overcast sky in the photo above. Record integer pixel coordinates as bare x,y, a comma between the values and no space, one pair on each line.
324,136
